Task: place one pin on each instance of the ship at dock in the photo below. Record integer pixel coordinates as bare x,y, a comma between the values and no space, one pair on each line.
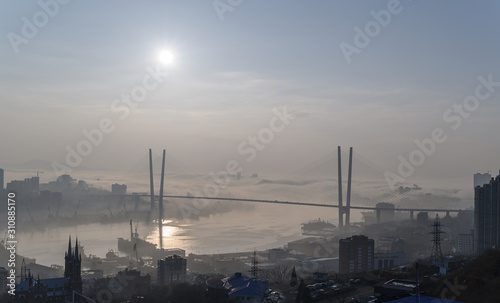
139,248
318,228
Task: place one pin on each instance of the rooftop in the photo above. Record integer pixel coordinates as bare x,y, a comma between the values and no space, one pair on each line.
422,299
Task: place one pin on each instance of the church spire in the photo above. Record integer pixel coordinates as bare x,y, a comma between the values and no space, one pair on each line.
69,246
76,248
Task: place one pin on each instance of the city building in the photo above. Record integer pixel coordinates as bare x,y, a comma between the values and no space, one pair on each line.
118,189
63,183
390,245
55,290
386,261
385,212
4,273
390,253
1,179
171,270
328,264
465,243
356,254
481,179
65,180
487,215
26,187
241,288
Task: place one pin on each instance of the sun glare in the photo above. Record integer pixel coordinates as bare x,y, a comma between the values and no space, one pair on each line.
166,57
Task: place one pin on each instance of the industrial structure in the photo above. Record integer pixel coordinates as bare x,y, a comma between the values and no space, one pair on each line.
437,254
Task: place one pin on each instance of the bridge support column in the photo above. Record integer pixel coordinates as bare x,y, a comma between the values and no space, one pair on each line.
160,202
348,201
378,216
411,215
447,213
151,184
341,210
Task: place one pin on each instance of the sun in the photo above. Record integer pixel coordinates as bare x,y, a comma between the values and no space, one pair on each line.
166,57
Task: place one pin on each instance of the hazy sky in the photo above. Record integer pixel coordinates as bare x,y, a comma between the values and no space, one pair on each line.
234,62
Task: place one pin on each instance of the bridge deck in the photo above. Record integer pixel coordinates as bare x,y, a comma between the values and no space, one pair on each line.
285,202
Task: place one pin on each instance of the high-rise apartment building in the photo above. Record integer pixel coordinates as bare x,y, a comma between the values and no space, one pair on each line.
1,179
465,243
487,215
481,179
356,254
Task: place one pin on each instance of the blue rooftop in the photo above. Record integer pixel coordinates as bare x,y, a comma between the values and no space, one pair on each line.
49,283
422,299
239,285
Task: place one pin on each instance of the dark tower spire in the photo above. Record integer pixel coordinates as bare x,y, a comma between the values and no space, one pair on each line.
69,246
73,267
23,271
76,248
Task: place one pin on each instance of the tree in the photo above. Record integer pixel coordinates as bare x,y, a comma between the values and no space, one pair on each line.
303,294
293,280
278,274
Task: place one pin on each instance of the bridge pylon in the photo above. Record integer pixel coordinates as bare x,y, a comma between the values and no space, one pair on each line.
160,198
344,210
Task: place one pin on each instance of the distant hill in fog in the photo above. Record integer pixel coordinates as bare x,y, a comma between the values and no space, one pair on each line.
34,165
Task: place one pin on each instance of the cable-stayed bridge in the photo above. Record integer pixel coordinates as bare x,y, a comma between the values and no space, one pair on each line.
402,209
309,194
